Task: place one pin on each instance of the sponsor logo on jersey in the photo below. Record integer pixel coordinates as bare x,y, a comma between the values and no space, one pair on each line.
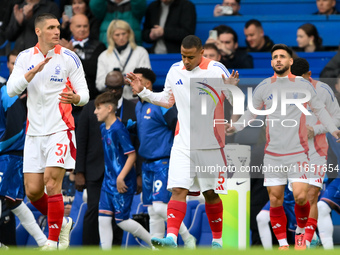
179,82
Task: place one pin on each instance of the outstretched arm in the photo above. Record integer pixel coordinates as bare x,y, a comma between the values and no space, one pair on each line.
164,98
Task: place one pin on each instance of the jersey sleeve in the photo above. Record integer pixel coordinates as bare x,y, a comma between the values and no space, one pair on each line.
158,98
319,109
124,140
326,95
77,77
17,83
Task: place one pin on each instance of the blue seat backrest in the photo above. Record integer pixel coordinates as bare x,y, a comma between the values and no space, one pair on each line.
200,227
76,235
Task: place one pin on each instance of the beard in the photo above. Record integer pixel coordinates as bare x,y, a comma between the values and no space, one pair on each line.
282,71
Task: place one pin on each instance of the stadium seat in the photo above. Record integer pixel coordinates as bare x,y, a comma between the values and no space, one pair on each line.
76,235
200,227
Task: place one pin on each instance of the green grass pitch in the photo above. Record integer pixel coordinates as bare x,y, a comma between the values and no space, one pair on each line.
140,251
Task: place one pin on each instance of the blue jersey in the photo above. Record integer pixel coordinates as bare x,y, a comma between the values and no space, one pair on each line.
117,144
12,123
155,135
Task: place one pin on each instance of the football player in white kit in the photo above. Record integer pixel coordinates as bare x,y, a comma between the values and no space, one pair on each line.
317,142
197,142
54,78
286,150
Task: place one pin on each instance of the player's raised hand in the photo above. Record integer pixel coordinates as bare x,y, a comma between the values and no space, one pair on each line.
135,82
68,97
39,67
233,79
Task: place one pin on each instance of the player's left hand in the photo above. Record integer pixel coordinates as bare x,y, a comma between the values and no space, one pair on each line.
121,187
310,131
336,134
68,97
233,79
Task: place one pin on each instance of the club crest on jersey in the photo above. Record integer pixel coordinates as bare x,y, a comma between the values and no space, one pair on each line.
57,69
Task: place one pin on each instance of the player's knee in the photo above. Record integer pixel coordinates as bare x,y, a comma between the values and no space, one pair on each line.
34,193
300,199
211,197
262,217
179,194
53,187
323,209
160,208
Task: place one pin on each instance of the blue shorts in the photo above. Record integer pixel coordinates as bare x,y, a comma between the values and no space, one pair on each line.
332,194
11,177
155,179
117,203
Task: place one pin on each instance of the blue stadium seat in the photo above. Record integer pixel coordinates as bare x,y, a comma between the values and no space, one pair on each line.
76,235
286,34
3,67
200,227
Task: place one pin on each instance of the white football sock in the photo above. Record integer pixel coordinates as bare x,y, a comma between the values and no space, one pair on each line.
28,221
263,220
135,229
105,232
156,223
325,225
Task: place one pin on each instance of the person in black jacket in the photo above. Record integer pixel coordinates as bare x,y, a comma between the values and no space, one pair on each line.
21,28
255,38
166,24
90,156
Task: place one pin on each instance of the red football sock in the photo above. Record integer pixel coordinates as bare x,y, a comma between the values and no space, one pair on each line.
310,229
301,214
215,216
41,204
278,220
55,216
176,213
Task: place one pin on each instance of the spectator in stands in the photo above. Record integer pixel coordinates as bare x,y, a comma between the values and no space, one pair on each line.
167,22
131,11
255,38
80,7
122,53
90,156
326,7
227,43
21,28
88,50
211,52
227,8
331,71
308,38
6,8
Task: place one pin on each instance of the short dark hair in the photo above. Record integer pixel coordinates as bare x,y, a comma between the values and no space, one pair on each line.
42,17
13,53
211,46
254,22
147,73
223,29
300,66
281,46
192,41
106,98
